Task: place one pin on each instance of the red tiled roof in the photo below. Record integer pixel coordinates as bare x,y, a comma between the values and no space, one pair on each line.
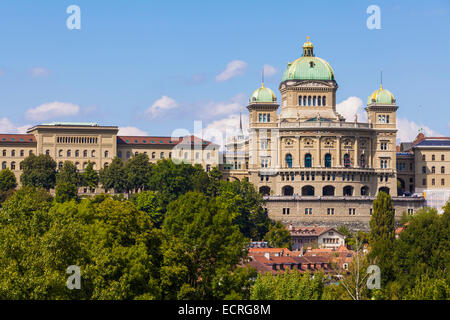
310,231
24,138
161,140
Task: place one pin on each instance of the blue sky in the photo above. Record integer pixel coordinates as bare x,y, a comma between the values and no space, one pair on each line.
130,56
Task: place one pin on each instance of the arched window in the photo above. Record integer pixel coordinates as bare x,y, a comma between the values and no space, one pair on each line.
365,191
308,160
319,101
170,155
13,165
47,152
300,100
265,191
442,169
77,165
384,189
3,165
13,153
161,155
60,165
433,169
4,153
69,153
106,154
22,153
348,191
308,191
60,153
328,160
347,162
328,191
77,153
288,191
128,154
85,153
289,160
304,100
106,165
93,153
153,155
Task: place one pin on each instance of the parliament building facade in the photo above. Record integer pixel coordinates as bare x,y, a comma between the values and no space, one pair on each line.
311,164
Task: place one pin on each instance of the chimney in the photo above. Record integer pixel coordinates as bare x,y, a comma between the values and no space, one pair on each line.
267,255
291,227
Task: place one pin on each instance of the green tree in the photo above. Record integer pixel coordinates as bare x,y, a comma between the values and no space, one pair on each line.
149,202
202,250
7,180
90,177
426,288
39,171
69,174
66,191
138,171
291,285
382,235
114,176
242,198
113,243
278,236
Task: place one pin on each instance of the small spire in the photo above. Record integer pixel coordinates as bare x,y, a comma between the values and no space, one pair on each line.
262,77
381,84
240,121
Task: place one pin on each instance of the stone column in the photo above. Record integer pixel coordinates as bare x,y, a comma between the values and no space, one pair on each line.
319,153
356,153
338,146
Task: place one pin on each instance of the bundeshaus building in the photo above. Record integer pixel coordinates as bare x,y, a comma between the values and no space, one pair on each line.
311,164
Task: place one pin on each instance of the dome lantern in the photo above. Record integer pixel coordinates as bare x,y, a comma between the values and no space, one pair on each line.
308,48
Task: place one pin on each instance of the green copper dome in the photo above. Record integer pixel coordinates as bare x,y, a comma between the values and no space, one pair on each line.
308,67
263,94
381,96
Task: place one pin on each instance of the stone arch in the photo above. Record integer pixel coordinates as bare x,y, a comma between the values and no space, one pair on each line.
384,189
365,191
308,191
328,191
348,191
288,191
264,190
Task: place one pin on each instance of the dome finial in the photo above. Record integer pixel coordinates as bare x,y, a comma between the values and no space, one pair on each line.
308,48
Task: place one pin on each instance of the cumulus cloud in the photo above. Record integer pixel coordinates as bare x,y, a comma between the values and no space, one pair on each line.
269,70
408,130
160,106
131,131
234,68
39,72
6,126
351,107
52,110
213,109
219,131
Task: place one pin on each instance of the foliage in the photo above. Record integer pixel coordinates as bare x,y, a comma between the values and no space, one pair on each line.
7,180
90,177
113,243
201,248
114,176
138,171
65,191
427,288
39,171
291,285
69,174
382,235
149,202
278,236
242,198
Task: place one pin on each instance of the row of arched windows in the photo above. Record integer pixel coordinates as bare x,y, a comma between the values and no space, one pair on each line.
78,165
314,101
12,165
77,153
88,140
347,191
14,153
327,160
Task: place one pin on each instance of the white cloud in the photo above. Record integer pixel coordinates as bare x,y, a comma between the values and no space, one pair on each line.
52,110
351,107
40,72
408,130
269,70
234,68
6,126
219,131
131,131
214,109
160,106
